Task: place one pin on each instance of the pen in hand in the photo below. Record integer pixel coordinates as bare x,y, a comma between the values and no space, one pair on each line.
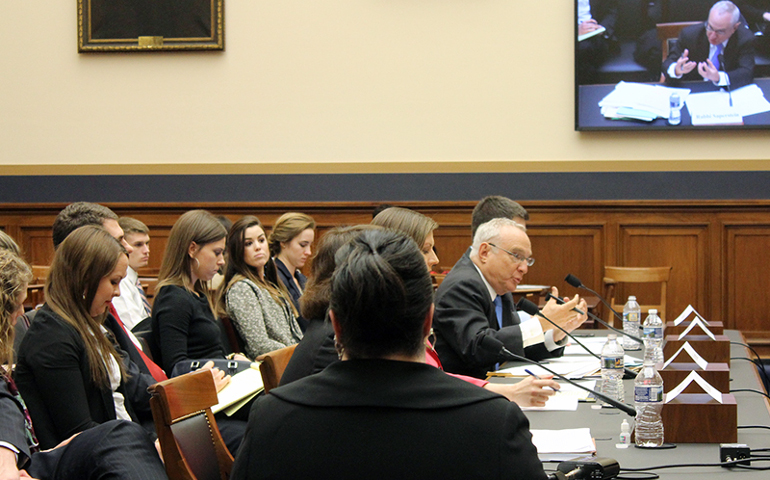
538,378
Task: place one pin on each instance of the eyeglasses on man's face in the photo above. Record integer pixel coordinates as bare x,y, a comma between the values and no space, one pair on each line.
722,31
516,256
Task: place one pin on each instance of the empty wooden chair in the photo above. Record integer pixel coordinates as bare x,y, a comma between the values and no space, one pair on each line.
615,275
192,447
273,365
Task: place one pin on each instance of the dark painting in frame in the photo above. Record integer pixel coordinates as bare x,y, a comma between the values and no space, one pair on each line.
150,25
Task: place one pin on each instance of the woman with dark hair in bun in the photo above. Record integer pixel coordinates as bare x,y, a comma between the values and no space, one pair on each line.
382,412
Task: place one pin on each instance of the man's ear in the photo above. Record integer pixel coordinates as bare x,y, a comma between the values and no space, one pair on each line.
484,250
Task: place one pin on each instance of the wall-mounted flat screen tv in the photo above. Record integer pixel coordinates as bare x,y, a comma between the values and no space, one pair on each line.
672,64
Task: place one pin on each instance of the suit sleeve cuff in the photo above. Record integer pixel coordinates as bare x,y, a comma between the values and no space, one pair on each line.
552,345
724,80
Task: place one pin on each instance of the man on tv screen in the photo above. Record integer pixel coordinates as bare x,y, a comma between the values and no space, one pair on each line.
719,50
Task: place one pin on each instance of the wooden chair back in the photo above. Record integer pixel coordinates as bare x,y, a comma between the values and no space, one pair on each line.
235,340
668,33
615,275
273,365
192,447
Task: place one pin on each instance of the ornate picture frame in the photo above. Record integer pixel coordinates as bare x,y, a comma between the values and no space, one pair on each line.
150,25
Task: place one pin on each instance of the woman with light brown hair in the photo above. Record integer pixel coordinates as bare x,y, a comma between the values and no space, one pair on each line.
184,327
413,224
115,449
68,353
290,246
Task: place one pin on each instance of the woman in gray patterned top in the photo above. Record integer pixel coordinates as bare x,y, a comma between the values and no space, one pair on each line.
251,295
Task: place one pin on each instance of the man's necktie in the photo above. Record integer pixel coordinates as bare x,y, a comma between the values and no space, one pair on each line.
717,53
147,307
499,310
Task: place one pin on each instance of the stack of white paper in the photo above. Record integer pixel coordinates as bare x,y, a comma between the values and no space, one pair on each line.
640,101
563,444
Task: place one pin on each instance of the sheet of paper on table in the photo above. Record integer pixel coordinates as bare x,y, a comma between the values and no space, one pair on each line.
566,399
563,444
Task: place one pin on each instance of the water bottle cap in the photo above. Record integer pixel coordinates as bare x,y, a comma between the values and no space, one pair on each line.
653,311
631,298
612,336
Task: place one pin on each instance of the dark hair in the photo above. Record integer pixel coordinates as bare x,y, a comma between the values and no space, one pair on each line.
381,293
226,222
237,269
495,206
318,291
380,208
79,214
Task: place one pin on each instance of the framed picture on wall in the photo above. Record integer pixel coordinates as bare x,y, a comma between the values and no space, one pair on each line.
150,25
670,65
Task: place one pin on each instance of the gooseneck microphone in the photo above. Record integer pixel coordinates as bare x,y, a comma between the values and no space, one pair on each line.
721,58
530,308
492,344
575,282
560,301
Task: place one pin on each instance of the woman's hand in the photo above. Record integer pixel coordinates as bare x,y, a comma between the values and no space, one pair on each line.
530,392
220,378
241,358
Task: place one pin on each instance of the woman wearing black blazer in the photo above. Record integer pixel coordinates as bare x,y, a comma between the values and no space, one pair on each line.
69,370
382,412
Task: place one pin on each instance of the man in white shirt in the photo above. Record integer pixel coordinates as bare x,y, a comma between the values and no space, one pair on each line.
132,304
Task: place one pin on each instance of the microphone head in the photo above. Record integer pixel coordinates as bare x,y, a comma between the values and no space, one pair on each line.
490,343
574,281
527,306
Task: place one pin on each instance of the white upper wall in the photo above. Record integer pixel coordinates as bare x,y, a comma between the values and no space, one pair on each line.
332,85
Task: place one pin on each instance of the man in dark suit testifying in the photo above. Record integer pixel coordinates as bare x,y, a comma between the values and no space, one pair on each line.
475,300
720,50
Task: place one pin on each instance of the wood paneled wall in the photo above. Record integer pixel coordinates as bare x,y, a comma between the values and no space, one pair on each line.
719,250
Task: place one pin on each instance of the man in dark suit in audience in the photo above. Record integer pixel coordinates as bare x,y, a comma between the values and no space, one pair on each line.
720,50
475,301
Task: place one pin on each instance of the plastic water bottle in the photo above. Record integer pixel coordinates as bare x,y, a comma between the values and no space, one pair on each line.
653,337
648,399
612,368
632,317
675,113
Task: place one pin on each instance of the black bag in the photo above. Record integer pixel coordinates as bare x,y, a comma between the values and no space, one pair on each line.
230,367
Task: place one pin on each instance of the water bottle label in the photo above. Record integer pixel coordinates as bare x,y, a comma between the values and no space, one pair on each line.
612,363
630,317
653,332
648,393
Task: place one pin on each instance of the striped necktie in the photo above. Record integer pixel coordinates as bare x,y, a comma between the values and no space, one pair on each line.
147,307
